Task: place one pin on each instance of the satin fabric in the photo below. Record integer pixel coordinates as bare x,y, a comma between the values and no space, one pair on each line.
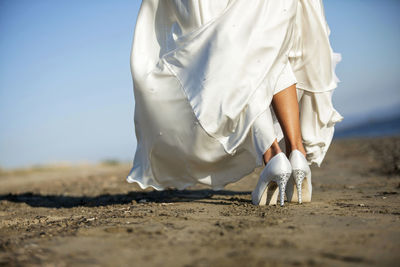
204,75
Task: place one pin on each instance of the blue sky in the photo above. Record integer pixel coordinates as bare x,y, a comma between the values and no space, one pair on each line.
66,92
367,34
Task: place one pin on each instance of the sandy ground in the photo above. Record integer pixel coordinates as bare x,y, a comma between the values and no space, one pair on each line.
86,216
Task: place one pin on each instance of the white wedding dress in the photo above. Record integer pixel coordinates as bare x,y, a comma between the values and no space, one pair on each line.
204,74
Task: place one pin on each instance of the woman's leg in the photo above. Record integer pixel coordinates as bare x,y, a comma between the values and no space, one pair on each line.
286,109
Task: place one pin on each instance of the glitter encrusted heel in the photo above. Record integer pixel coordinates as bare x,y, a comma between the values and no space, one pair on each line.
282,181
272,182
299,188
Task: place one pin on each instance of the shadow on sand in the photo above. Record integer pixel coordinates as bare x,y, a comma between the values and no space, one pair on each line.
167,196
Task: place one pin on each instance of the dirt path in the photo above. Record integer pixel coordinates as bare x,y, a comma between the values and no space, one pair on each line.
85,216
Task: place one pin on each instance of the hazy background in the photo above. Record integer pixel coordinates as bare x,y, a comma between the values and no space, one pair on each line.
66,91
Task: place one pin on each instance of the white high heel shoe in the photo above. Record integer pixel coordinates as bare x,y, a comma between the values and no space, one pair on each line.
299,188
274,176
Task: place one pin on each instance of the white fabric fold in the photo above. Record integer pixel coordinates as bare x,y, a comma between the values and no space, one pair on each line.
204,75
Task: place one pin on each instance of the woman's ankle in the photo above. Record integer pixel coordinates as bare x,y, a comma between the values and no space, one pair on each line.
271,152
299,147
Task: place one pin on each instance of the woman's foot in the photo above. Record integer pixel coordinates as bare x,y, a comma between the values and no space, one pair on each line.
272,181
275,149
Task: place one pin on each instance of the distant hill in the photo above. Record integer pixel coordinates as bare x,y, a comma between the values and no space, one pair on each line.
371,128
